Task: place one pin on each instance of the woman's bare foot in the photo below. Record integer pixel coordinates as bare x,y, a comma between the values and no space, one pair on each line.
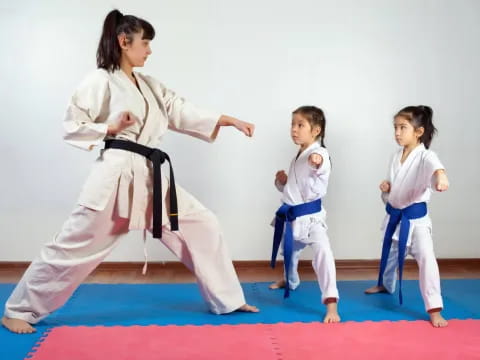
248,308
437,319
376,290
18,326
332,314
280,284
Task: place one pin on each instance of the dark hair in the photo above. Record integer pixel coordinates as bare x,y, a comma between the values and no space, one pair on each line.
420,116
109,51
315,117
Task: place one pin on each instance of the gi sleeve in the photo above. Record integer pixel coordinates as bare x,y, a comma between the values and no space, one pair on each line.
86,106
183,116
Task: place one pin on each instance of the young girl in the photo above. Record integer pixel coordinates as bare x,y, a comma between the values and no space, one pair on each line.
413,171
131,111
302,217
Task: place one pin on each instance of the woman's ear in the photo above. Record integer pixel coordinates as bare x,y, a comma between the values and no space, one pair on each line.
122,41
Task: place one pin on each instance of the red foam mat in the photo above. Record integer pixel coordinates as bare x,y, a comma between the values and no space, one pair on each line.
350,340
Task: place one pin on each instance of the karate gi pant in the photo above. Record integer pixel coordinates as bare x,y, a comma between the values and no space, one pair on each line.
88,236
323,262
421,249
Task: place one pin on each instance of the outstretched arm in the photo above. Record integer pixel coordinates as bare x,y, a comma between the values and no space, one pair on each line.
225,120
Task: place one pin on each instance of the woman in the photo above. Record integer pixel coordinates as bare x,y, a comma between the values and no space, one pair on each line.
125,189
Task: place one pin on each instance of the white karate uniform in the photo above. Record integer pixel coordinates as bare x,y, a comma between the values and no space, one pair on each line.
117,197
410,183
305,184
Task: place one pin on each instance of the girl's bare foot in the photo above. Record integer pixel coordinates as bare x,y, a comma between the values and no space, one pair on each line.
280,284
332,314
437,319
18,326
248,308
376,290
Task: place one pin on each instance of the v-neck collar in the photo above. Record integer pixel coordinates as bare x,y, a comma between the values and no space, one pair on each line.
410,156
138,80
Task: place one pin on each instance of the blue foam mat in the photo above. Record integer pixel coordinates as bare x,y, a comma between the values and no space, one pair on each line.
181,304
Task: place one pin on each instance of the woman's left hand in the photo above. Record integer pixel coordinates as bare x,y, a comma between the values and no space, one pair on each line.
243,126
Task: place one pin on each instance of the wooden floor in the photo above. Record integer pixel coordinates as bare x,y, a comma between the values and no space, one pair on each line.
248,271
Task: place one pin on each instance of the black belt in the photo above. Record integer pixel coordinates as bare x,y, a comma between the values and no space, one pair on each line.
157,157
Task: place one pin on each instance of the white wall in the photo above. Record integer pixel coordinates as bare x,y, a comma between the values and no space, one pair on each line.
360,61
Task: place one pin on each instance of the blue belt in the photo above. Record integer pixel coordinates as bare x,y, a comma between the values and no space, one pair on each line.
402,216
284,217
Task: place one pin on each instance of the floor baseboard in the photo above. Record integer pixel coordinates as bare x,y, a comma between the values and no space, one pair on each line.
464,263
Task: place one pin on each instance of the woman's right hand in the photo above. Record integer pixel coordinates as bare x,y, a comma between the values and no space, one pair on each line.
124,120
281,177
385,186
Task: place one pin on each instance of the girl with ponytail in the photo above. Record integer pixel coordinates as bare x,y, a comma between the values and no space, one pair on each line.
128,112
302,192
413,172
